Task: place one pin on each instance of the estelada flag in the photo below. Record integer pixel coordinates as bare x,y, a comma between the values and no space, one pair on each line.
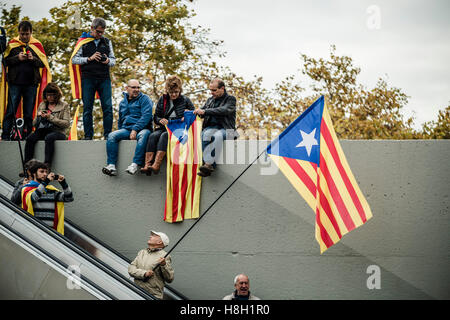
184,154
46,76
74,69
310,156
73,135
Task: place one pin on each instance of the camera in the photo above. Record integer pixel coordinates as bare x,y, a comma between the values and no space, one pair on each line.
56,177
103,57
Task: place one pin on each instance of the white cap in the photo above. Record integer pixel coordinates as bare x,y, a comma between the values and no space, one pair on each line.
163,236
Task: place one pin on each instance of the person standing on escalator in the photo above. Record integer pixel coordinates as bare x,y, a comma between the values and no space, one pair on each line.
44,201
151,269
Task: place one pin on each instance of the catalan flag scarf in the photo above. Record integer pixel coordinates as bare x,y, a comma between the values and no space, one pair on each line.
46,76
74,69
27,204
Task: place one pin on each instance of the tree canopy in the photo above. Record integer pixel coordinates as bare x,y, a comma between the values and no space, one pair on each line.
154,38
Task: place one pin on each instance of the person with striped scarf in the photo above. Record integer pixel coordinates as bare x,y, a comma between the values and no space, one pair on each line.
44,201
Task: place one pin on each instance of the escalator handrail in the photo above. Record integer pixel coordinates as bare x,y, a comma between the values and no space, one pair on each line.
106,246
121,256
54,259
77,249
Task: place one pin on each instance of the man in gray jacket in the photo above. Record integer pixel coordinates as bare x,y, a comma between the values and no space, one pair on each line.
141,269
219,113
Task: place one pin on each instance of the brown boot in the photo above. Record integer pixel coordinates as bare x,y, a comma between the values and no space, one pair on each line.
158,160
149,157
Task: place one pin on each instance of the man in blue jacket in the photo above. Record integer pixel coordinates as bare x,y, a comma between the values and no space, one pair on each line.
135,115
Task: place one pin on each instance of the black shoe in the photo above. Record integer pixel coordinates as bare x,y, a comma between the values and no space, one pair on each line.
87,138
206,169
203,174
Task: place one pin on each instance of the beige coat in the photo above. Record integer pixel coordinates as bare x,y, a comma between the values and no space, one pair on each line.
60,116
146,260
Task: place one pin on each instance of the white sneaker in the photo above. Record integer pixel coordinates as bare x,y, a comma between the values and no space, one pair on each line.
132,168
110,170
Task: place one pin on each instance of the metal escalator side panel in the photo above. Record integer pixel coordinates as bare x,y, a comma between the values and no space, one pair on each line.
32,272
71,255
97,248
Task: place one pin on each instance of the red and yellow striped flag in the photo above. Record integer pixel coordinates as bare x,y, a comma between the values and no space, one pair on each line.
184,154
73,135
46,76
310,156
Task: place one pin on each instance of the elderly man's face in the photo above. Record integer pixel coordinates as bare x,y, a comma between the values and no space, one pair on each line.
154,240
133,88
216,92
242,286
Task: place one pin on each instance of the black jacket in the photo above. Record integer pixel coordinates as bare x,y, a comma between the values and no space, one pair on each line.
95,69
224,113
162,108
2,40
12,62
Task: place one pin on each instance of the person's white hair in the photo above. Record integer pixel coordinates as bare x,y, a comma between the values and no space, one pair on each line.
237,277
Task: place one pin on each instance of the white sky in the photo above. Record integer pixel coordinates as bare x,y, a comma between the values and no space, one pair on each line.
404,41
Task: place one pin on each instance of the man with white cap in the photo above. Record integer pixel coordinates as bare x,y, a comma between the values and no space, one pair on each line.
141,269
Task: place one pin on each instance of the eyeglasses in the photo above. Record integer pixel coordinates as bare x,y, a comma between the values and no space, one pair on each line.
99,32
134,87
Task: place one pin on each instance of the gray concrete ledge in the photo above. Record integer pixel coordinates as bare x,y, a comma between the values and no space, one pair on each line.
262,227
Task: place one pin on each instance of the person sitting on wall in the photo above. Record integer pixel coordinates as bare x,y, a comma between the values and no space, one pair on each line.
219,113
242,292
170,106
141,269
43,200
51,123
135,115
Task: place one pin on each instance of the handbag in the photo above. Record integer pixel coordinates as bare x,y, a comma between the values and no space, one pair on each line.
44,124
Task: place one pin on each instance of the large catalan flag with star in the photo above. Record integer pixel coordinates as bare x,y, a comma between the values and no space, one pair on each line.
310,156
184,155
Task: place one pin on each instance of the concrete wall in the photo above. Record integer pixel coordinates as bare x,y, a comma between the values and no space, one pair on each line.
262,227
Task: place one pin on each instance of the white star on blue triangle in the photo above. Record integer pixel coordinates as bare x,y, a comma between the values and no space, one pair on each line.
301,140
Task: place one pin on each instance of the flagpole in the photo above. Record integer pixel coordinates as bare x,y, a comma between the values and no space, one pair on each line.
211,205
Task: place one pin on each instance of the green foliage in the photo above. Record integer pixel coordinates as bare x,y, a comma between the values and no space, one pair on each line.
153,39
439,129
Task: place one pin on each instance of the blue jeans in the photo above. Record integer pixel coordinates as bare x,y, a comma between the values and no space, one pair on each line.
112,145
15,93
88,88
212,142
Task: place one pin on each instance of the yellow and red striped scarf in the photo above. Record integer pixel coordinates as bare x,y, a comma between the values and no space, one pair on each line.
46,76
27,204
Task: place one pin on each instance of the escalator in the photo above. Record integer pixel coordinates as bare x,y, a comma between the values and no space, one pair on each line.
93,266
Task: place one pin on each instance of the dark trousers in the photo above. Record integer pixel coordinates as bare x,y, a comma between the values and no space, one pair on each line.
88,88
49,137
15,93
157,141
